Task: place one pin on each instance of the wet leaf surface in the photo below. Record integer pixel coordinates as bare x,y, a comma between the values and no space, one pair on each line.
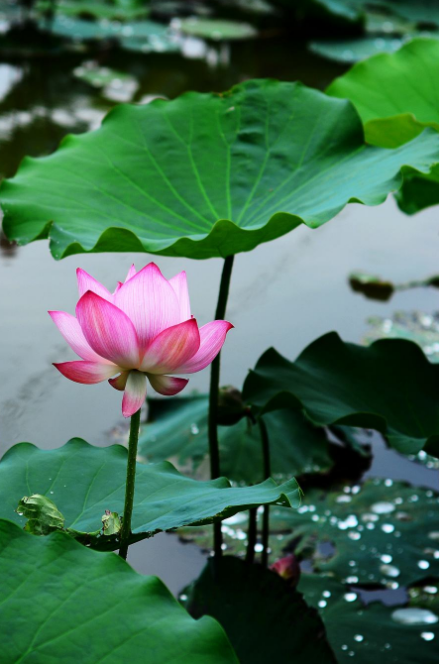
85,481
85,590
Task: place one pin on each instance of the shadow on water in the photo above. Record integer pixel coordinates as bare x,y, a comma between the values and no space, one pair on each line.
284,294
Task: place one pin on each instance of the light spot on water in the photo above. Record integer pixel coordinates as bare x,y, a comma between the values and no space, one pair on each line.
427,636
423,564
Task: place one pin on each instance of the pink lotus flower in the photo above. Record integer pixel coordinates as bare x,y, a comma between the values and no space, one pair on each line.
143,329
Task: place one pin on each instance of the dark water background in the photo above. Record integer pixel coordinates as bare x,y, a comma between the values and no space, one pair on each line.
285,293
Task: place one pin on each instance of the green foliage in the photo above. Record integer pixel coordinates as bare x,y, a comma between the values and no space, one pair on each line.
178,432
215,29
264,620
394,634
389,386
393,93
396,100
62,602
383,533
284,155
85,481
43,517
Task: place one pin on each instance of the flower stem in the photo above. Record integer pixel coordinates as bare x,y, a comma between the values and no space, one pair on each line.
214,393
267,474
125,532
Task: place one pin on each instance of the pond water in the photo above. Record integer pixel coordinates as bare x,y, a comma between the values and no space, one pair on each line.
285,293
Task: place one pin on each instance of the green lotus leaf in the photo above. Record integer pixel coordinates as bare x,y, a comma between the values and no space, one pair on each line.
264,619
214,28
389,386
85,481
178,431
375,532
394,94
205,174
62,602
406,634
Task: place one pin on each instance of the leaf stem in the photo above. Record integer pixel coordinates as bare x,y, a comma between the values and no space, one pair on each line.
125,532
267,473
214,393
251,535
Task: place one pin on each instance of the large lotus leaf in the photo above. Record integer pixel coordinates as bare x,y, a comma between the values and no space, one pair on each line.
206,174
389,386
374,633
84,481
178,432
62,602
264,620
384,533
394,94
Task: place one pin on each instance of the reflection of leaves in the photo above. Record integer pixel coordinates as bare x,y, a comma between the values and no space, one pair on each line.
422,329
258,134
389,386
264,620
74,598
374,632
178,432
85,481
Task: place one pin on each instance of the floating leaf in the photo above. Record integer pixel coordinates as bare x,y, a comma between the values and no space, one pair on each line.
389,386
84,481
422,329
372,287
115,85
214,28
356,49
384,533
179,432
398,635
393,93
114,11
61,601
146,36
283,154
264,620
